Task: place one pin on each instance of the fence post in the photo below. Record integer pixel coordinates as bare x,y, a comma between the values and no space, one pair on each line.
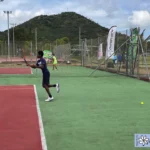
82,52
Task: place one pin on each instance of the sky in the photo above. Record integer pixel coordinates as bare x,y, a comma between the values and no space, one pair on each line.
125,14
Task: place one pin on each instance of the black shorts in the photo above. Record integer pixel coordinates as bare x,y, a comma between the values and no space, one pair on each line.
46,78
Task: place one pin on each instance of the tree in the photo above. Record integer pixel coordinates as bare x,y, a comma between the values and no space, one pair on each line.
62,41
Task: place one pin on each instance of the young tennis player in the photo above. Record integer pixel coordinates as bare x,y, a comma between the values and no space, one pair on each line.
41,64
54,59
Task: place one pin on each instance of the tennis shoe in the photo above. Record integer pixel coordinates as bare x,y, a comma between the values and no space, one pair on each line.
57,87
49,99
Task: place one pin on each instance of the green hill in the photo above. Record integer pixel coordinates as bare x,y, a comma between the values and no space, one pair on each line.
50,28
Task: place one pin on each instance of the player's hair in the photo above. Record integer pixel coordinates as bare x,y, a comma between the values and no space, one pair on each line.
41,53
53,54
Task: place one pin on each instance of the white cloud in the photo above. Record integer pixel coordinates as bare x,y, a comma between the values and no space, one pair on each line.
13,4
40,12
105,12
140,18
19,16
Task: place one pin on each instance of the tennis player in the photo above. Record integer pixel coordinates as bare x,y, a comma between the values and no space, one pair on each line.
41,64
54,59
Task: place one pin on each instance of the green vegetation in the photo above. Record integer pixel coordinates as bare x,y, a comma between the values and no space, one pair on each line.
49,28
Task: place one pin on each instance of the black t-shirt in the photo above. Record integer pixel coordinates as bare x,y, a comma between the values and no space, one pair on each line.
42,61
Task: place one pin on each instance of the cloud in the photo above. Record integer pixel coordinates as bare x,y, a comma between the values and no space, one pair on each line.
122,13
139,18
12,4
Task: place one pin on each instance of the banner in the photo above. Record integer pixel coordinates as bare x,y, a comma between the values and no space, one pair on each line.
100,51
47,54
132,51
111,42
133,43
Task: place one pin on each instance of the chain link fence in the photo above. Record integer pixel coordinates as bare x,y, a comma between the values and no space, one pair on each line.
85,54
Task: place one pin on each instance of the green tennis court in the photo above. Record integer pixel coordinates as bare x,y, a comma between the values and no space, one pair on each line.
102,112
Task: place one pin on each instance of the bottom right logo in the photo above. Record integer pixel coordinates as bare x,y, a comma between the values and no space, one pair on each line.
142,140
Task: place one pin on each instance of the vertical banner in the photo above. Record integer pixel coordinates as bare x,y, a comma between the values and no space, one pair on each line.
132,51
100,51
111,42
133,43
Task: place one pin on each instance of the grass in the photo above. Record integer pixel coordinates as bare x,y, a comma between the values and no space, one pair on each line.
101,112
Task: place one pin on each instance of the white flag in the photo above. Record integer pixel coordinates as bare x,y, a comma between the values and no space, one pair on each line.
111,42
100,51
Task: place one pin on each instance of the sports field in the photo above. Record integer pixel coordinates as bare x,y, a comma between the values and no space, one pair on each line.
102,112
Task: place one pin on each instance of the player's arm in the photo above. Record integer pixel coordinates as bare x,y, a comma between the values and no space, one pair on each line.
35,66
40,67
32,66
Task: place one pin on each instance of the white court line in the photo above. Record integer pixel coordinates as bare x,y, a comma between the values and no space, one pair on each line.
31,71
43,139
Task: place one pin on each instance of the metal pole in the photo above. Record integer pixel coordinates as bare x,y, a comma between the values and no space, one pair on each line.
31,54
13,42
8,12
91,48
8,54
79,37
80,49
138,59
31,46
126,57
36,39
84,50
8,37
36,46
83,43
13,24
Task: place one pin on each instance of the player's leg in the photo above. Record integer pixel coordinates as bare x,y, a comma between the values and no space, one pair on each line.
55,66
52,85
50,97
46,86
57,86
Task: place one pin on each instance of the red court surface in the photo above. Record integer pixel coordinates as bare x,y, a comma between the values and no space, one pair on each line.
19,121
15,71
